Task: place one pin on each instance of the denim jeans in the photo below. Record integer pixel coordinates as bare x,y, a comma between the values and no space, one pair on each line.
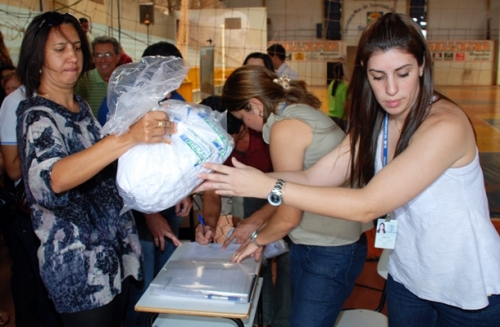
282,304
322,278
154,260
406,309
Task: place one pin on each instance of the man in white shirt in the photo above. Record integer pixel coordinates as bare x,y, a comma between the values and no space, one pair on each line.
278,56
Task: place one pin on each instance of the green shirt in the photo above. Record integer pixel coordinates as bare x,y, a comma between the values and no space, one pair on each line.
93,89
336,103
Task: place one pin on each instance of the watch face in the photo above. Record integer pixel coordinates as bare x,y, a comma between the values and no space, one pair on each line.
274,199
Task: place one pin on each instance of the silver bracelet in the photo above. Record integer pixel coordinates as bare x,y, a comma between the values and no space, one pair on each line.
253,238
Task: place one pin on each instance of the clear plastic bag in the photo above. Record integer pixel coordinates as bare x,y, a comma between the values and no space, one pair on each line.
154,177
136,88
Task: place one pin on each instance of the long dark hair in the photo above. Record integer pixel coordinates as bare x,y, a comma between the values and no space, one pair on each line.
37,33
258,82
391,31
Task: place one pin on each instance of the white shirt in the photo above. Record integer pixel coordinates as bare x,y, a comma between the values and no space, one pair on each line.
287,70
447,250
8,118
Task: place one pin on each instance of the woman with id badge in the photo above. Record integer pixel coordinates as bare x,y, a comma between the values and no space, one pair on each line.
414,152
326,255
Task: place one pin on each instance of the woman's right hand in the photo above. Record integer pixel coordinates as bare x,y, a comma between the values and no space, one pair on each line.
204,236
241,180
152,128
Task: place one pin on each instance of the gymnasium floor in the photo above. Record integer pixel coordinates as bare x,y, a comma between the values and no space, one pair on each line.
482,104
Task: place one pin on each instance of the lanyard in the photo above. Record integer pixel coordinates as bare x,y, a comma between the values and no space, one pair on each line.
386,140
385,151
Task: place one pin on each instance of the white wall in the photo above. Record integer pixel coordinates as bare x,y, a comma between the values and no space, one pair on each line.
294,19
15,15
236,44
457,19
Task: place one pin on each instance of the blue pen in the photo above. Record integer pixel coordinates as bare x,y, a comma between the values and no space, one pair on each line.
202,222
218,297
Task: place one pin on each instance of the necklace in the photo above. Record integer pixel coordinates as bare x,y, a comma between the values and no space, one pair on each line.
397,127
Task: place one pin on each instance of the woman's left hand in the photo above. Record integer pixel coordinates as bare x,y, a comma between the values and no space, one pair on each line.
241,180
247,250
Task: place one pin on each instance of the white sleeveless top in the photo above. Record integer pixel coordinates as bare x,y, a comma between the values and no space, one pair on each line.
447,250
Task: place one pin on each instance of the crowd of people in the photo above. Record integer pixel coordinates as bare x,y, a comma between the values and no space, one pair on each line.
390,148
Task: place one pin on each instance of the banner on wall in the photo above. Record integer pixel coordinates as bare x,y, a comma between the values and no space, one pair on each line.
207,87
468,50
312,50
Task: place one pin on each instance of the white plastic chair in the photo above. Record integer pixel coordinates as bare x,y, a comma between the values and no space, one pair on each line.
361,318
364,317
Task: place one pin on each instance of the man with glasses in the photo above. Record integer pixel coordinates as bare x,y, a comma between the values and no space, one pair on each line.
93,87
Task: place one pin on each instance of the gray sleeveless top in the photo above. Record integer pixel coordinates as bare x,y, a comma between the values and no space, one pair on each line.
316,229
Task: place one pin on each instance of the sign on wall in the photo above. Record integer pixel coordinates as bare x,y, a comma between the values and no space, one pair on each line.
468,50
312,50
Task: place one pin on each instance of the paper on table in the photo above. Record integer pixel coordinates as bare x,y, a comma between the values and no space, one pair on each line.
206,271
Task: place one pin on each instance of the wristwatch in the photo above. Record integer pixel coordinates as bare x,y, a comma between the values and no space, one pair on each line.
274,197
253,237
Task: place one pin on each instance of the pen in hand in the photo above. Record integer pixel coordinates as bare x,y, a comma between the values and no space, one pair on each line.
202,222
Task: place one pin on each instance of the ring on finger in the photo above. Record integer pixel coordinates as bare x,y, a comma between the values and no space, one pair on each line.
161,123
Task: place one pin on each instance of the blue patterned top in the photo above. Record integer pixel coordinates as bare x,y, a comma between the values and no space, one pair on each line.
87,248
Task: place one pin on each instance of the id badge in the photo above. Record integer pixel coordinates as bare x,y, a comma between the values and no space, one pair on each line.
385,237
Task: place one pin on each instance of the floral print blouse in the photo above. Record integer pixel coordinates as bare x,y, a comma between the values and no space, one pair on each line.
87,247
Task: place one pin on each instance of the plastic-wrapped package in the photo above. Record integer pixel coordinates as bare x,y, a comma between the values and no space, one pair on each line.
153,177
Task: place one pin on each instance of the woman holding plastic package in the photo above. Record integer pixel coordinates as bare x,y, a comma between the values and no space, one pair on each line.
88,249
326,255
414,152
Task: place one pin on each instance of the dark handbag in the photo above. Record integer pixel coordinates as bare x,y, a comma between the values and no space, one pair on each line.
8,207
14,196
20,198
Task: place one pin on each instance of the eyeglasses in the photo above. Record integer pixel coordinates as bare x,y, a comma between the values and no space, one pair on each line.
106,55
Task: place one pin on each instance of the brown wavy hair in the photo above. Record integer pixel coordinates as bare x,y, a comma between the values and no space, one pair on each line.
257,82
5,59
365,115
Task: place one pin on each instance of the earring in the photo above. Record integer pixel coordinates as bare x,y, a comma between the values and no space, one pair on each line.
40,71
260,113
421,73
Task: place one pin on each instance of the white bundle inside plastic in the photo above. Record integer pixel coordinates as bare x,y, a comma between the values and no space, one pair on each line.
154,177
